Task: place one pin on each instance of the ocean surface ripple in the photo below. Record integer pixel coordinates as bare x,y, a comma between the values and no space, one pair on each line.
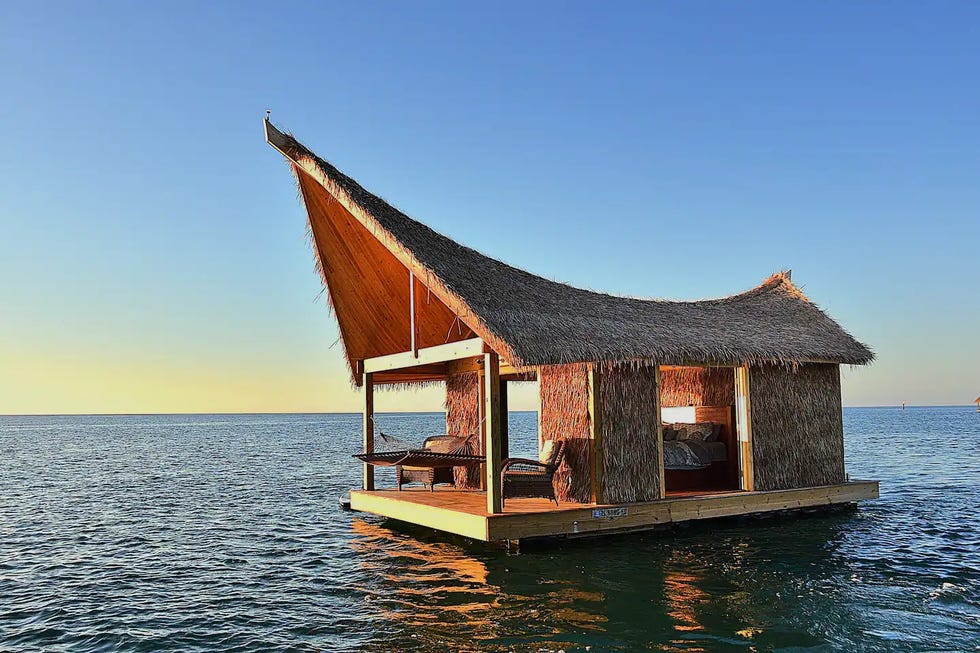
223,533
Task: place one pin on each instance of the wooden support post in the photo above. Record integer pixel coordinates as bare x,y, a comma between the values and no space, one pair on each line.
537,374
481,411
595,433
504,417
743,426
368,429
491,426
660,441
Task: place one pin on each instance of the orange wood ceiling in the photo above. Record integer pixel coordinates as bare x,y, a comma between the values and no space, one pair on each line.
369,287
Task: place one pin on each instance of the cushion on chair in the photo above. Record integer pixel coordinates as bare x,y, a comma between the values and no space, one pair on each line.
549,449
444,444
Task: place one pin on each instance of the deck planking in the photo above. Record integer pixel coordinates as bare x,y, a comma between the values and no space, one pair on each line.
465,512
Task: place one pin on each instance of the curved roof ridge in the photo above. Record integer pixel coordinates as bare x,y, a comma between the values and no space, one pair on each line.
345,180
538,321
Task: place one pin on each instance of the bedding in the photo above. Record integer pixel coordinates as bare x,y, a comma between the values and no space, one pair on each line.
718,451
692,446
700,431
686,454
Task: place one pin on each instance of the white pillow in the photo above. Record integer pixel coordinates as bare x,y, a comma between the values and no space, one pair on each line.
547,451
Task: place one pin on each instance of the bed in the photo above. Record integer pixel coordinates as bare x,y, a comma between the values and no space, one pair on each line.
693,446
711,464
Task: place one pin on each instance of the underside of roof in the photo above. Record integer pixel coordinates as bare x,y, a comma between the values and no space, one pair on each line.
366,249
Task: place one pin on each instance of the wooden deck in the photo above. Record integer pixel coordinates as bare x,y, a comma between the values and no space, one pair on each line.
464,512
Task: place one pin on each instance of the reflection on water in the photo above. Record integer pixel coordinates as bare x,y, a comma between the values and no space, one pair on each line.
701,589
683,598
222,533
422,585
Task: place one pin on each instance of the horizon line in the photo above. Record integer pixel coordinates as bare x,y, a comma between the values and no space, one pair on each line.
390,412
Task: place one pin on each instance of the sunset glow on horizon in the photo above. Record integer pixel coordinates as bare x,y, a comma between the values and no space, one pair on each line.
154,256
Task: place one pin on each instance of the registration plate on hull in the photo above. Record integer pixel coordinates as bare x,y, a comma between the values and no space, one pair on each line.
609,513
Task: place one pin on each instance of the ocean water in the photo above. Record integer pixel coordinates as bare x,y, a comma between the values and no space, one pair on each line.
223,533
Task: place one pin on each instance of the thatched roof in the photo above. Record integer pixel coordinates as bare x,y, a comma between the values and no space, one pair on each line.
535,321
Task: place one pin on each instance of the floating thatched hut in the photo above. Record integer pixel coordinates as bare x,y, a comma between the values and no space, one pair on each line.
651,411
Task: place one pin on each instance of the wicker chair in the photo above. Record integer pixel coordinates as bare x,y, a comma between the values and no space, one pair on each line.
523,477
432,475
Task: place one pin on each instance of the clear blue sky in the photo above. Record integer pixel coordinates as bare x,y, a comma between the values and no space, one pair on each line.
153,254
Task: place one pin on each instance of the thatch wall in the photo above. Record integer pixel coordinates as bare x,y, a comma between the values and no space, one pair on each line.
631,450
797,427
565,414
463,419
697,386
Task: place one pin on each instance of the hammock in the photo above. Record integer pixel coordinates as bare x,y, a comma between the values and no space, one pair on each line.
398,452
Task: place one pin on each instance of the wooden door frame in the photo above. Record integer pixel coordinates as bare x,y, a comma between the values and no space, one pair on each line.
743,428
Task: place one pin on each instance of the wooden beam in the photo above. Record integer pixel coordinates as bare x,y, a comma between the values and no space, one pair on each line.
481,410
595,433
368,429
660,440
743,427
421,373
504,416
382,378
274,137
491,425
464,365
438,354
506,369
539,402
